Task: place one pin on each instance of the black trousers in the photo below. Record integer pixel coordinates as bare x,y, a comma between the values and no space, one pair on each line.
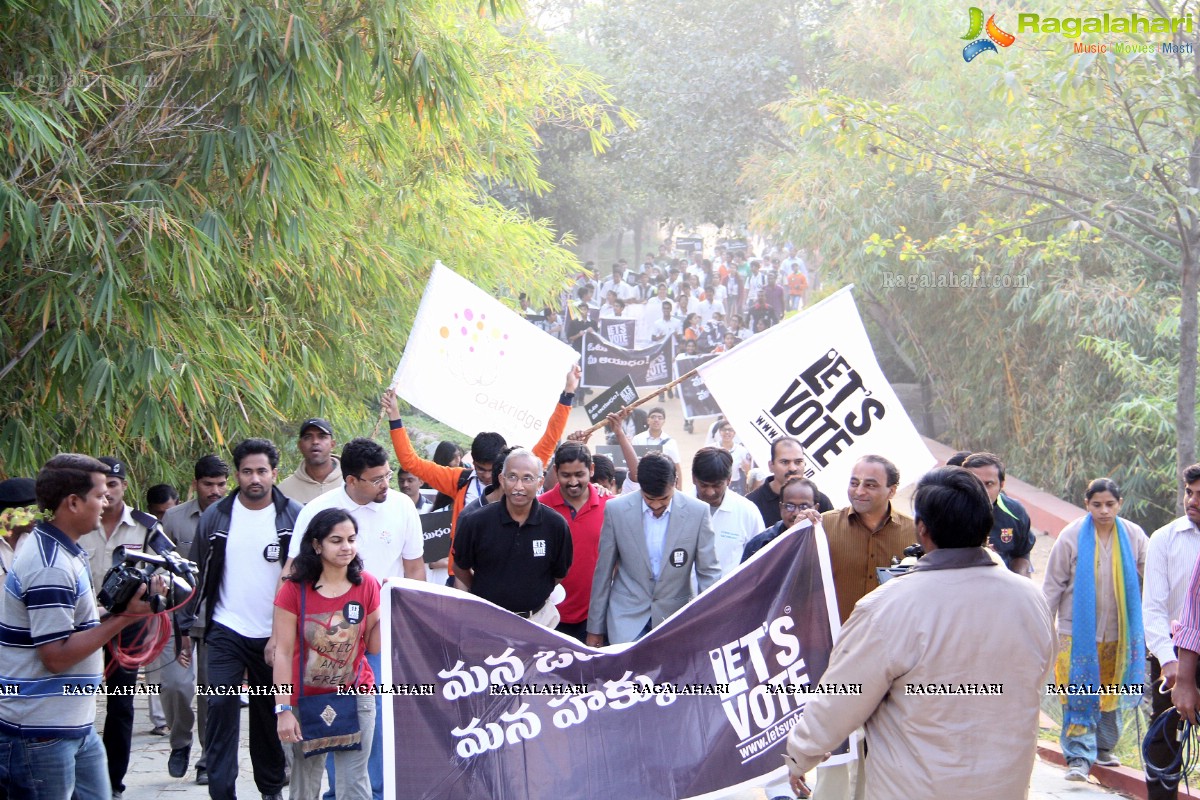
1159,749
118,710
229,656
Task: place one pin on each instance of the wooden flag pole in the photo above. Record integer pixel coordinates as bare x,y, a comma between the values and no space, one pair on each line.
382,414
643,400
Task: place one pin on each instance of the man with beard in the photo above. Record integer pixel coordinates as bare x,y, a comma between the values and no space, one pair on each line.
515,551
787,462
390,543
582,505
241,543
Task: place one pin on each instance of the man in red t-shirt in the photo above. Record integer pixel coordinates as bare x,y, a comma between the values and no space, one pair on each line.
582,506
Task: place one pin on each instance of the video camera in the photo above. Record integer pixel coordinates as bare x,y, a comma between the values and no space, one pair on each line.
132,570
900,566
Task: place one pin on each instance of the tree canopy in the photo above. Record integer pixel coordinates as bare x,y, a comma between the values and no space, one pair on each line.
216,216
1078,172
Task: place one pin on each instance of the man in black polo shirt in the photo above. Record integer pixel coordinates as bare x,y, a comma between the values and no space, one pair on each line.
515,551
787,462
1011,536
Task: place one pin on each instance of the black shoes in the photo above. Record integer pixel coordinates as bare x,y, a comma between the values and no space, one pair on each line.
201,776
177,764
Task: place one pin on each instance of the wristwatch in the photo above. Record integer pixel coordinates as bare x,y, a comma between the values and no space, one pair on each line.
280,708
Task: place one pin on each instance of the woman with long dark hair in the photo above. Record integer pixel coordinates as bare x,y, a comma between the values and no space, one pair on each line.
326,650
1093,586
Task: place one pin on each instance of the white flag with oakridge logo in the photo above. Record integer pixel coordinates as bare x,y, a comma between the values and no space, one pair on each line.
476,365
814,377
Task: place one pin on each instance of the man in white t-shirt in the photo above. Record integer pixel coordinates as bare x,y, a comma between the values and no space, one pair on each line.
667,326
654,435
241,542
735,520
390,544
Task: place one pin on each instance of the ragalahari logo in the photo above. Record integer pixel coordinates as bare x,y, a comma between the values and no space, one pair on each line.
994,36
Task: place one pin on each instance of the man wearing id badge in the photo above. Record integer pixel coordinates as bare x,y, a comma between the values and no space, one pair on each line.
242,543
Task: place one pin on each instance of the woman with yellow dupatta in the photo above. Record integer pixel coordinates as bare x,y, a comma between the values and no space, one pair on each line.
1093,585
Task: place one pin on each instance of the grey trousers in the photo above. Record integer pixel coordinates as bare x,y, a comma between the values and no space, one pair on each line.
178,692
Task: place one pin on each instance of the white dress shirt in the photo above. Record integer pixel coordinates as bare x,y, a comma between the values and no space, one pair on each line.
1170,559
655,530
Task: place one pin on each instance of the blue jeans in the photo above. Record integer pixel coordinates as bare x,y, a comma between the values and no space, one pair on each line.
375,759
1085,745
54,769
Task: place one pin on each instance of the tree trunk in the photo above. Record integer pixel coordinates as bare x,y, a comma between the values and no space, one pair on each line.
638,225
1185,406
617,245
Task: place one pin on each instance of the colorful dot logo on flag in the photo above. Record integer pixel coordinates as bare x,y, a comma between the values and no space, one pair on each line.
473,345
993,35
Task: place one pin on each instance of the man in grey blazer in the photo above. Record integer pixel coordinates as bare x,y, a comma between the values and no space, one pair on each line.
650,543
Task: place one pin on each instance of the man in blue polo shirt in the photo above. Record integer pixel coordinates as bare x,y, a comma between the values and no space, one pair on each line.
1011,537
50,642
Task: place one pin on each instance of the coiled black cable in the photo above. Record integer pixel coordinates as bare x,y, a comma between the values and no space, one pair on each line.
1185,754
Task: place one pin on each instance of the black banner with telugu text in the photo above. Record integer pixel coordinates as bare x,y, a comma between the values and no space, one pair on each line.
604,363
485,705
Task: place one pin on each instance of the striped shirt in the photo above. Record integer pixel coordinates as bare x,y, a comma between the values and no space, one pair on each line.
47,597
1170,560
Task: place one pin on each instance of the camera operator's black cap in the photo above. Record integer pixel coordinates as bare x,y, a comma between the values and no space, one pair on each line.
318,423
17,493
115,468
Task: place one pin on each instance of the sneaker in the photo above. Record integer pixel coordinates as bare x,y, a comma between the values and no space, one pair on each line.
177,763
160,730
1105,758
1077,770
201,776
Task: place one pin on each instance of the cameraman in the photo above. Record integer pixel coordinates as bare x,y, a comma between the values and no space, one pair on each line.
48,745
950,658
120,526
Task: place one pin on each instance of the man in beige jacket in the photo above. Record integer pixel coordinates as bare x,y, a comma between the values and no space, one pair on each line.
950,688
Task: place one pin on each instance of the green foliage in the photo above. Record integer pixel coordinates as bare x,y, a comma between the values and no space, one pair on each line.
217,216
697,76
1070,170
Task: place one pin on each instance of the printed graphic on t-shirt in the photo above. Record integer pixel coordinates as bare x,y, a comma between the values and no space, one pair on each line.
332,646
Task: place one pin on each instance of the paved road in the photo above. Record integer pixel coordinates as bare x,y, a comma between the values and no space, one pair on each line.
148,779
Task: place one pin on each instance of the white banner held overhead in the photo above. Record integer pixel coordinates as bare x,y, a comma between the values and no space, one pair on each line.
476,365
814,377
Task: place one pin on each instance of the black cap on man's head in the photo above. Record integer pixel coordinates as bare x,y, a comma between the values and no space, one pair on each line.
115,468
17,493
318,423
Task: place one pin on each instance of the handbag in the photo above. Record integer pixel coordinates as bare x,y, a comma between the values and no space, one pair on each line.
328,722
